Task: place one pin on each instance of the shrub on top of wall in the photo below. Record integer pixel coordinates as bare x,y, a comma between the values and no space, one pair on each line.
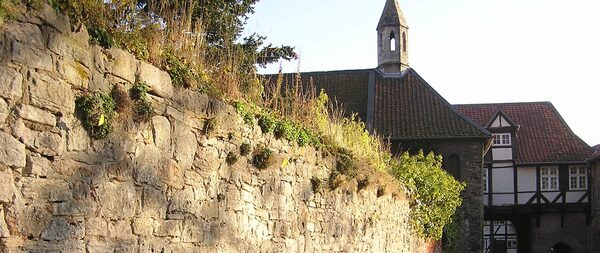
434,193
97,113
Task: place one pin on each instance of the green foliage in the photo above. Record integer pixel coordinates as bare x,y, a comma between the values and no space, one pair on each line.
286,129
99,36
231,158
266,122
435,194
451,235
97,112
344,162
133,42
8,8
181,73
245,111
245,149
263,157
142,108
142,111
139,91
316,184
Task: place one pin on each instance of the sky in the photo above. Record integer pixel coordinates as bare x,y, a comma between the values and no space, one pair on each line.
470,51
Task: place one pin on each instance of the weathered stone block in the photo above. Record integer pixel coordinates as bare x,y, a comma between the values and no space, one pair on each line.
74,208
74,73
6,185
167,228
25,33
122,64
77,137
37,166
96,226
71,47
183,202
32,220
162,133
47,93
185,145
120,229
154,203
55,19
4,233
49,144
33,58
60,229
14,151
194,230
143,226
36,115
118,200
3,111
58,191
152,167
12,83
159,82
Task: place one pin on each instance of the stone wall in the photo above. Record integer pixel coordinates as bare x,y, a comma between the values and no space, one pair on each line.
162,185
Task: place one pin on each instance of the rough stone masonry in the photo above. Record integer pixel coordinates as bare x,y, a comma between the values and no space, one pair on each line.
163,185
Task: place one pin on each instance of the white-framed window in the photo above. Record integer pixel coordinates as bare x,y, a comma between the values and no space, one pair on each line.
577,178
549,178
511,243
484,177
501,139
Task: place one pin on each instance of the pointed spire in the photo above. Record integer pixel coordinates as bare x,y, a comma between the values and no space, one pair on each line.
392,15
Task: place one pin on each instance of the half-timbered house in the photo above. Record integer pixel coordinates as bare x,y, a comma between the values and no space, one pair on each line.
536,192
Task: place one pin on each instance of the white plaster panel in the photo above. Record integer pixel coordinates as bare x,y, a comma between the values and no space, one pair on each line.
503,180
524,197
526,179
550,195
573,197
502,153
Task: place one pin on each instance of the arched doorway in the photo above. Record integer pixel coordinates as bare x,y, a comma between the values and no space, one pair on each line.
561,248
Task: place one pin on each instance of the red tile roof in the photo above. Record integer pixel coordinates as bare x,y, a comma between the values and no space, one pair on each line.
406,107
543,136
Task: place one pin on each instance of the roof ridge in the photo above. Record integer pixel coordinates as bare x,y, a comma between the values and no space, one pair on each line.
506,103
322,72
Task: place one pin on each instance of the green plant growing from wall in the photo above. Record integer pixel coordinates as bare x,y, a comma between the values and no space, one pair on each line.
316,184
99,36
231,158
266,122
245,149
263,158
97,113
287,130
142,108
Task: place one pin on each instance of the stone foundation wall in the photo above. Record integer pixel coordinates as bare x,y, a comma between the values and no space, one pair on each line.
162,185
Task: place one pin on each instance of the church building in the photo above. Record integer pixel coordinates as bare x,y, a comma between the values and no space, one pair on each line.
529,185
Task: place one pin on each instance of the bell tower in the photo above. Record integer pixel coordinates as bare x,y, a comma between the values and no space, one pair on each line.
392,39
